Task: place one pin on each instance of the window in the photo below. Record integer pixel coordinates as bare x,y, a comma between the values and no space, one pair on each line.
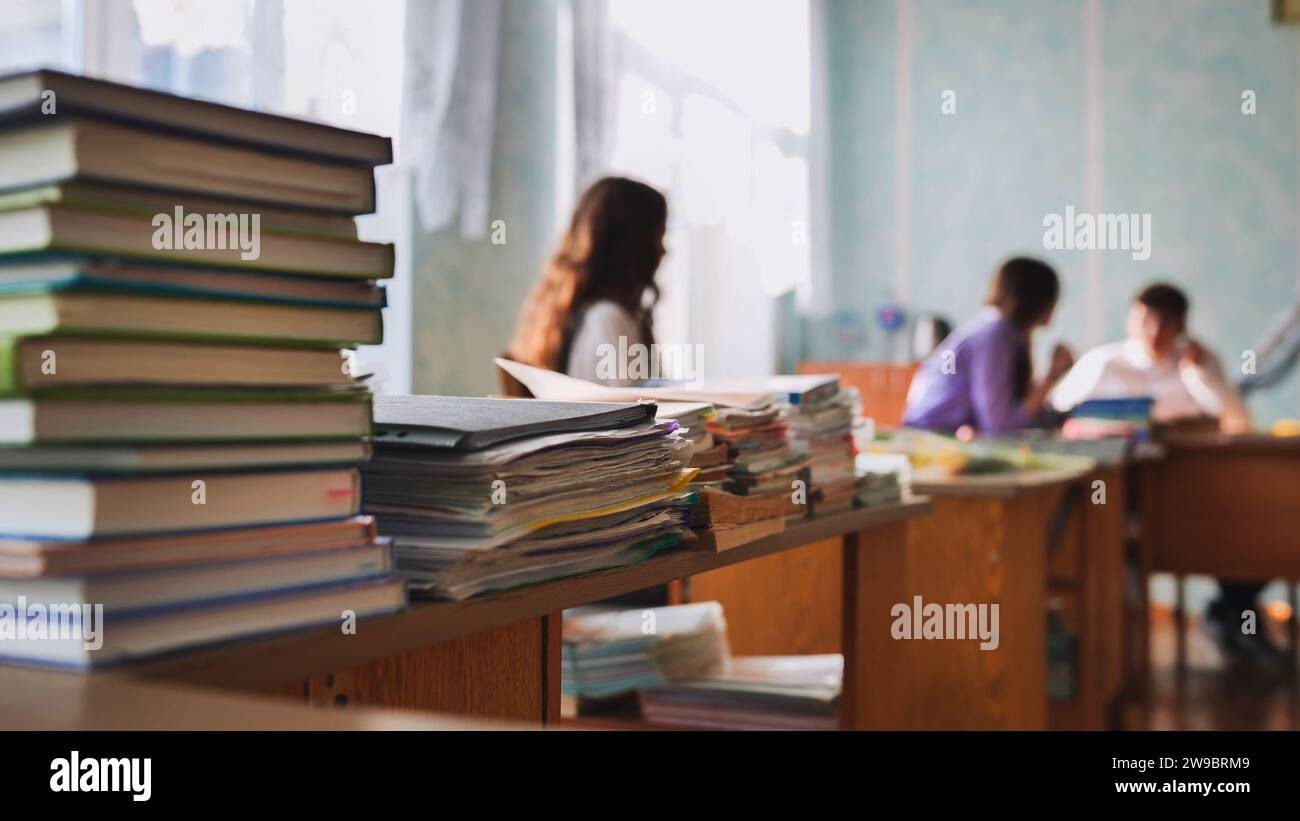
337,61
724,132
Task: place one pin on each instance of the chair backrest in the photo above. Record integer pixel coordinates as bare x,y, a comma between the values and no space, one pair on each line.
882,386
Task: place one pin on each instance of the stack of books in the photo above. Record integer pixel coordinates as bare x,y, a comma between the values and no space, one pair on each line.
763,457
607,652
180,434
754,693
821,417
490,494
1128,417
707,454
722,520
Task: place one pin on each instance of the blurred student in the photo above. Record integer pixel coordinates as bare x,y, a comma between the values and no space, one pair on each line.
599,284
980,379
1157,359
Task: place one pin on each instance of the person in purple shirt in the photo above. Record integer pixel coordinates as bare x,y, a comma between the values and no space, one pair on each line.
980,379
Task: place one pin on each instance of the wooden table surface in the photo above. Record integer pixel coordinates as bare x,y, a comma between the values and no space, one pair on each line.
250,664
265,663
996,485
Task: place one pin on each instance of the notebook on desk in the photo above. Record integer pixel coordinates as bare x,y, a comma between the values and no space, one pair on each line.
463,423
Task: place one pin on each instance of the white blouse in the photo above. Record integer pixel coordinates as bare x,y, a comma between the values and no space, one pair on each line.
602,324
1123,369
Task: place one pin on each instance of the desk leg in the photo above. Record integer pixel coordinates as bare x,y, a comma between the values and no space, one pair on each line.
509,672
552,653
1294,623
1141,676
875,576
1180,625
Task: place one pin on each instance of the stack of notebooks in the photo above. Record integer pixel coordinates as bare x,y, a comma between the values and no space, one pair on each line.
1128,417
179,432
490,494
763,457
742,497
607,653
753,693
724,518
879,479
707,454
821,417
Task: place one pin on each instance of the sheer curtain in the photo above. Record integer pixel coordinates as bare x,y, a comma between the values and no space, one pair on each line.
453,62
711,103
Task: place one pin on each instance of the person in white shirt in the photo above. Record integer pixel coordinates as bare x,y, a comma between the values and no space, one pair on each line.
1159,360
599,330
598,290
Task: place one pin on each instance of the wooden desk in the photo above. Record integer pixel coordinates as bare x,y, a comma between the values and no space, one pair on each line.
41,700
985,543
1224,506
1089,573
495,656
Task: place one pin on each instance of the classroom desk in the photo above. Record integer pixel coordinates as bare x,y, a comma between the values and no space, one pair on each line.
495,656
1224,506
987,542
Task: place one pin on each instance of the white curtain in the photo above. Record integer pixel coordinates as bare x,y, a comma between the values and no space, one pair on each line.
453,60
596,71
709,102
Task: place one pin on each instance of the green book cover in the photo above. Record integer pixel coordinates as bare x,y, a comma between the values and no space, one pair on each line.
38,314
174,238
88,195
199,396
10,378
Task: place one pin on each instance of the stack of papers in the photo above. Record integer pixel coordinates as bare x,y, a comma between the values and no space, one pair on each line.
747,451
763,458
708,454
821,428
610,652
489,494
754,693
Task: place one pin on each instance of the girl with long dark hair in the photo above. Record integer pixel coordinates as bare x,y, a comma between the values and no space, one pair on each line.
599,285
981,376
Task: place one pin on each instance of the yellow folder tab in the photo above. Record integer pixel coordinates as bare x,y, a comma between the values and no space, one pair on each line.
675,484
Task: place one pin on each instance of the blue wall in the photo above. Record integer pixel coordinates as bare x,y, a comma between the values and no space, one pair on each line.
1221,187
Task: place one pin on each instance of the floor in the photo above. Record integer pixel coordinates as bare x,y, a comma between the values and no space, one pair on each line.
1212,694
